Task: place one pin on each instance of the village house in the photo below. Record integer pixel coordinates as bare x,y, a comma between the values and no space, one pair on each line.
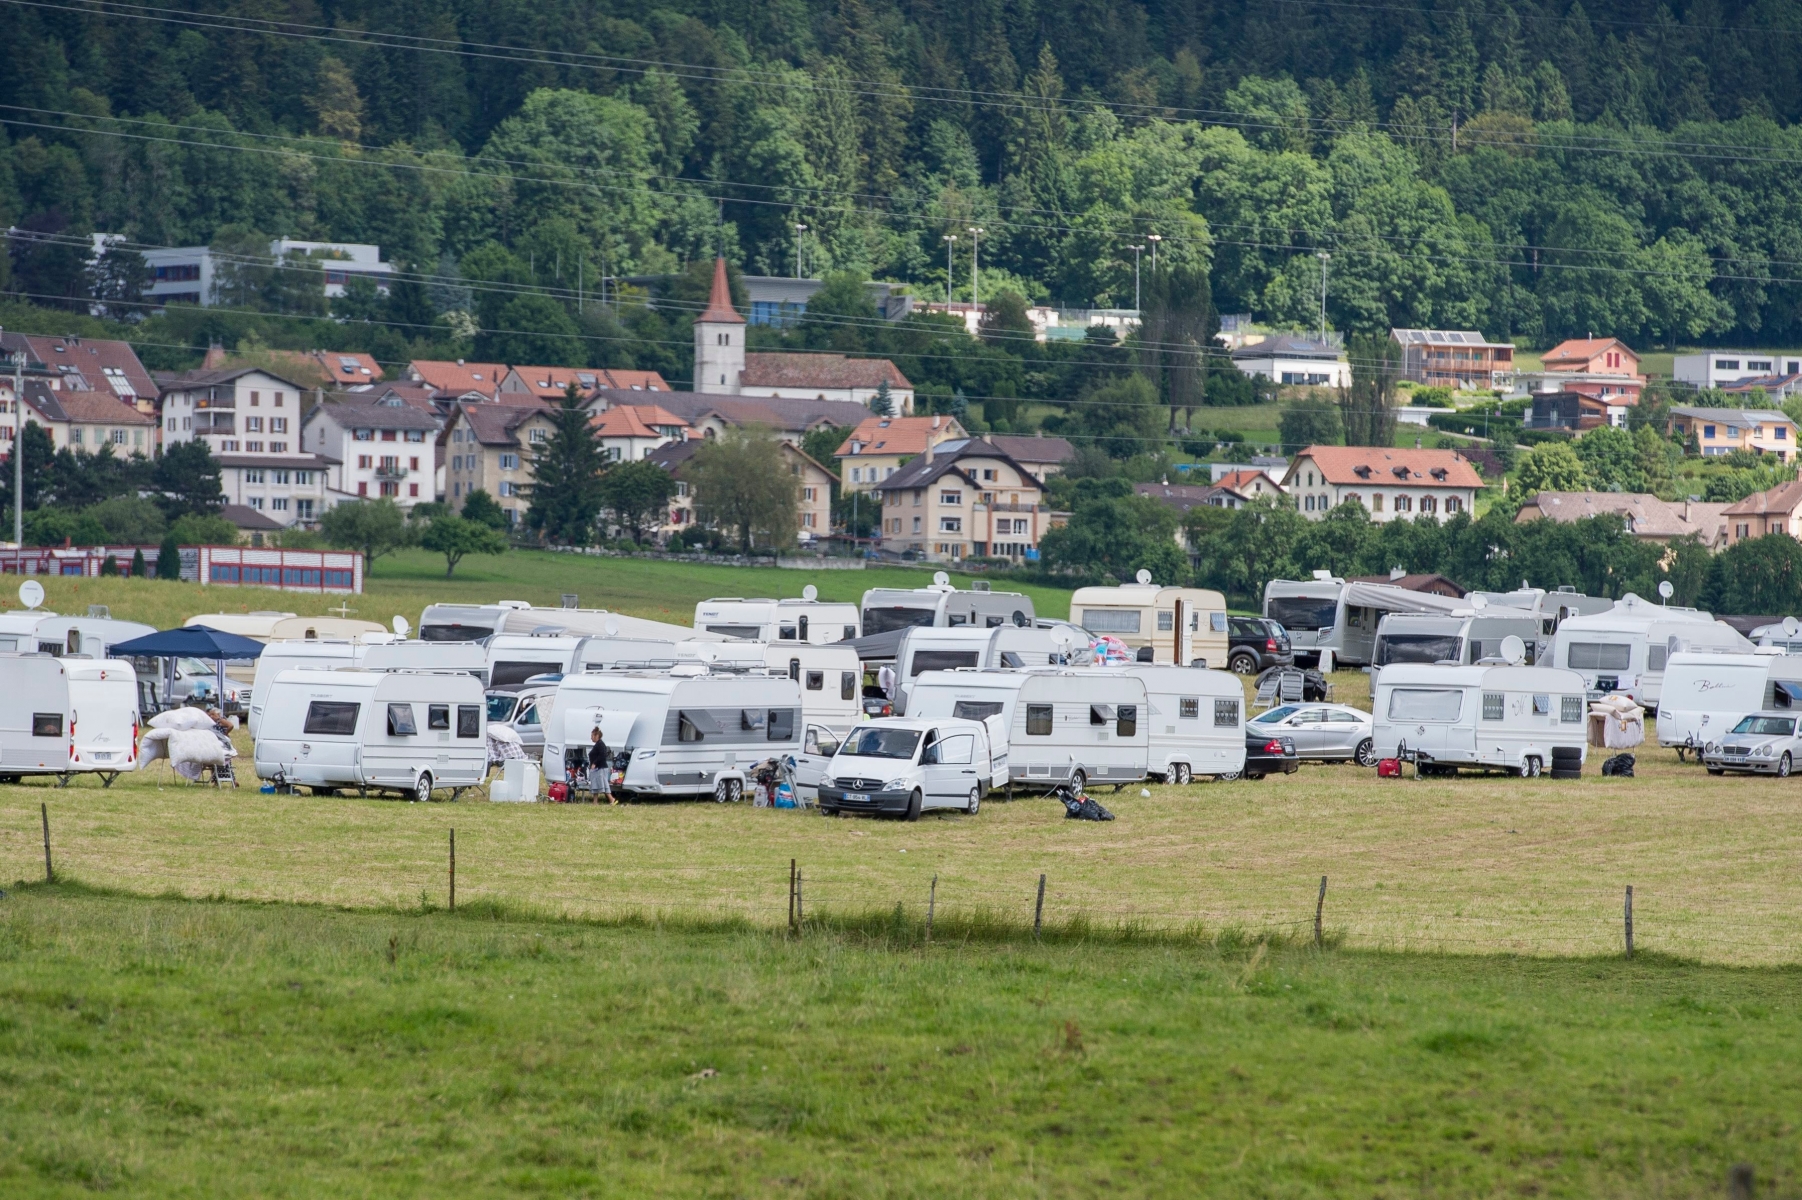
1454,358
490,446
628,432
710,415
87,421
962,499
1604,369
1390,484
548,384
1644,515
1776,510
1250,483
879,446
1043,456
1295,360
813,515
338,369
1717,431
459,379
250,419
375,449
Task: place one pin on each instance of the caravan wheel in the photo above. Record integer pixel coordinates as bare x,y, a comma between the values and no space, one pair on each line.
1531,767
728,791
1079,781
422,787
1180,775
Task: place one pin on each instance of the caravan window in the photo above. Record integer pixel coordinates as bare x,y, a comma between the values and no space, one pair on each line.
957,750
816,681
1418,648
469,720
1492,706
785,633
1542,706
749,633
975,710
751,718
1226,713
1110,620
794,668
887,620
781,724
1655,656
1216,622
1166,622
1189,708
1100,714
400,721
941,660
1038,720
1439,705
1599,656
694,724
437,716
1570,710
1128,723
331,717
847,685
1302,612
505,673
993,622
51,724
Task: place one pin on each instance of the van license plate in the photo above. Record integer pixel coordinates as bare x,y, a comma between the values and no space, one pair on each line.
857,797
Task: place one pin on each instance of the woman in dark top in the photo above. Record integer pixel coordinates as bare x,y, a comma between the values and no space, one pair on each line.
600,764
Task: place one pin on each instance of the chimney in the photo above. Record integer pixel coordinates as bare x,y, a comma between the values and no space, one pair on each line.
1686,511
929,451
935,422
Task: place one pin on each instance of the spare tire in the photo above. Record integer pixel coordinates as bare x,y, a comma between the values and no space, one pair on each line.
1567,755
1566,773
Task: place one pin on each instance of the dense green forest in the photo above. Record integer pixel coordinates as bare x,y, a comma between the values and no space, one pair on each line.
1534,171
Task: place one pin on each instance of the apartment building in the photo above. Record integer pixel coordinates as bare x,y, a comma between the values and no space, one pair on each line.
375,449
1454,358
1390,484
490,446
813,517
879,446
1604,369
1717,431
963,499
1718,368
250,419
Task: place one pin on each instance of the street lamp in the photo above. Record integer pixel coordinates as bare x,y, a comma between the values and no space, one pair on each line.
799,230
1324,258
950,245
1137,250
1154,239
18,364
975,254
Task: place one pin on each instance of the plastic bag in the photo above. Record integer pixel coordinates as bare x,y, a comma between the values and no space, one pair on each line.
1084,808
1620,765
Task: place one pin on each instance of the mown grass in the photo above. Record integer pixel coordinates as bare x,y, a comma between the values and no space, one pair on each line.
168,1047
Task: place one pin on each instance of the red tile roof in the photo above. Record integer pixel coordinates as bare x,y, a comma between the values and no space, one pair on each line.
634,421
1785,498
899,435
458,376
82,408
1582,350
1389,468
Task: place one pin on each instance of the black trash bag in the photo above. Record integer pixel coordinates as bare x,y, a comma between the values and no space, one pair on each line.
1620,764
1084,808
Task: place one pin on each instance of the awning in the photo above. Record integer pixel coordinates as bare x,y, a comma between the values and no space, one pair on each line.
190,641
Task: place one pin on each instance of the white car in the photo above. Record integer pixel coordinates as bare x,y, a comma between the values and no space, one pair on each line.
1764,743
1322,732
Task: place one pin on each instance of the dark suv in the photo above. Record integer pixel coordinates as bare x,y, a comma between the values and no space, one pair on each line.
1255,644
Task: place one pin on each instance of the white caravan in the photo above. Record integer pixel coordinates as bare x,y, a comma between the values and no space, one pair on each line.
1061,723
1625,649
396,655
921,650
390,654
1704,695
294,656
1328,618
1181,626
1195,718
829,677
624,654
1460,637
1785,637
686,732
401,731
597,622
465,622
513,658
901,767
1500,716
259,624
940,605
48,633
764,620
67,717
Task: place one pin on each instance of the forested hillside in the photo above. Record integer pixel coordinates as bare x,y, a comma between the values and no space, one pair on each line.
1534,171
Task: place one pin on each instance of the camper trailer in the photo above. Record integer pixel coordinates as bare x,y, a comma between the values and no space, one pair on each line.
1334,623
91,636
1505,717
624,654
294,656
1195,720
465,622
471,658
1625,649
1785,637
683,733
513,658
764,620
1076,723
1704,695
922,650
411,732
597,622
67,717
900,767
259,625
942,606
1181,626
1460,637
829,676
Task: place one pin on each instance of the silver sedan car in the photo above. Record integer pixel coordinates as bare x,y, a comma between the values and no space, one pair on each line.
1322,732
1765,743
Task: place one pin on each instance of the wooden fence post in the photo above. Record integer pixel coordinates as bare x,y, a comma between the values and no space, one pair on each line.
932,896
1319,910
1628,914
44,812
1739,1181
1038,910
453,869
792,929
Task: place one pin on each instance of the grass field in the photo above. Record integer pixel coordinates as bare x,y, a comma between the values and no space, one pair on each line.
160,1047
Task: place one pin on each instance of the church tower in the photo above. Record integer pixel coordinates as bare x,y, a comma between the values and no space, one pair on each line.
719,339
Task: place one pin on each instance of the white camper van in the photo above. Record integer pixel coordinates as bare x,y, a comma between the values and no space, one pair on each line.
1195,719
1486,715
1625,649
400,731
1704,695
765,620
67,717
1060,723
1181,626
901,767
687,732
940,605
513,658
922,650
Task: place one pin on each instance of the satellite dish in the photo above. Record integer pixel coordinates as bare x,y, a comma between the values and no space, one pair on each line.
941,578
400,625
1143,576
1062,638
707,652
31,593
1666,590
1790,625
612,627
1479,602
810,593
1514,651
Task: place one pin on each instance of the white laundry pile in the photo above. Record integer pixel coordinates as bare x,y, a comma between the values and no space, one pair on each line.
188,739
1616,723
504,743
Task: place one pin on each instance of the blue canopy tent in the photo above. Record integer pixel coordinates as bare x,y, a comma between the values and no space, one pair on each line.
190,641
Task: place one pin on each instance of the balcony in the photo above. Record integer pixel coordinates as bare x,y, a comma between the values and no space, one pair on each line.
216,423
215,399
389,469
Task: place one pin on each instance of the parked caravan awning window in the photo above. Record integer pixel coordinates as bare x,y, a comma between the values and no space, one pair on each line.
1100,714
749,633
750,718
1110,620
1418,648
1303,612
328,718
887,620
400,721
1599,656
694,724
1441,705
941,660
508,672
975,710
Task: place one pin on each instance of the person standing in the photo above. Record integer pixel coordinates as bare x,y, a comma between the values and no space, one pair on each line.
600,765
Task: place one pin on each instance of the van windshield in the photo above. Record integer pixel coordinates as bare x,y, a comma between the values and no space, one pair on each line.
887,620
1418,648
500,708
1302,612
1768,726
453,633
881,743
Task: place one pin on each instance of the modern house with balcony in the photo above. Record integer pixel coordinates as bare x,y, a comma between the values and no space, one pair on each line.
962,499
1456,358
374,449
192,274
250,419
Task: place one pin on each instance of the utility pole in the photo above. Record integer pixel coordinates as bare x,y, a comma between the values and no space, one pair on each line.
975,255
950,245
799,230
18,357
1154,239
1324,258
1137,250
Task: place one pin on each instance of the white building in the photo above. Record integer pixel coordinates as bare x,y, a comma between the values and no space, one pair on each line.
1294,360
190,274
375,448
1390,484
250,420
1718,368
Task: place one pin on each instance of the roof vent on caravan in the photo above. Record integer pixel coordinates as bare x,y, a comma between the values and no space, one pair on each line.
1326,577
979,585
522,604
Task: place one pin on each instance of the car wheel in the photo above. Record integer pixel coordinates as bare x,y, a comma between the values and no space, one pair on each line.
974,804
1180,775
1243,664
1229,777
1079,781
1365,755
1716,771
422,787
913,806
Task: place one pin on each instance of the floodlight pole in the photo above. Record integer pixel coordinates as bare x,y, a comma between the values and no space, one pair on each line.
1324,258
950,246
975,257
1154,239
799,230
18,358
1137,251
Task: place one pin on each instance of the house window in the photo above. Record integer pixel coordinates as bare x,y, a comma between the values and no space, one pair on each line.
807,521
364,461
1403,504
951,524
363,435
415,435
256,502
412,489
303,509
390,489
1707,431
278,447
412,464
916,524
505,487
807,493
535,435
388,435
362,488
1453,504
951,497
279,504
303,478
74,436
253,476
253,424
278,424
509,462
1428,504
281,477
255,398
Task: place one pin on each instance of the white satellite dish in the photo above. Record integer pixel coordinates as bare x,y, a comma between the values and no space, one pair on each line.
1479,602
1514,651
400,625
31,593
1665,589
940,578
612,627
1143,576
810,593
1790,625
1062,638
708,652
